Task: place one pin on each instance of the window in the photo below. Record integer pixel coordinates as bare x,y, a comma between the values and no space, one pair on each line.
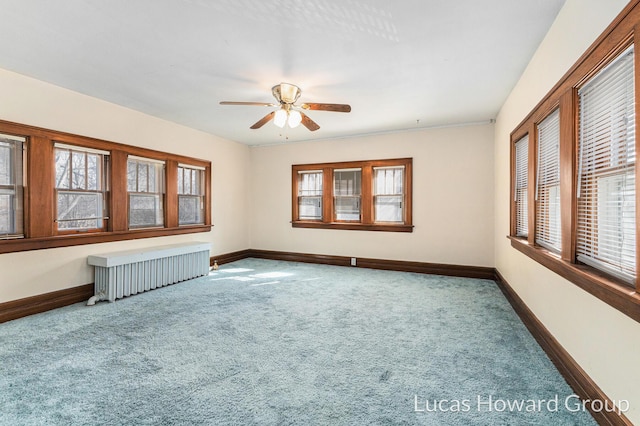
58,190
521,182
548,183
145,184
584,172
190,195
606,237
310,195
388,194
347,190
80,186
11,175
357,195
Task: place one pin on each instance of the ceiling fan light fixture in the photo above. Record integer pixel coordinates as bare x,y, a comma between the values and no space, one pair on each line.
280,118
295,118
289,93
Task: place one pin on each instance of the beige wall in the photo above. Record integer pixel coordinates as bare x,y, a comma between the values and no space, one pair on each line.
452,197
601,339
33,102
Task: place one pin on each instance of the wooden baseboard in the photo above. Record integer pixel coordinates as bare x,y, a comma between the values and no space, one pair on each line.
577,378
230,257
323,259
44,302
391,265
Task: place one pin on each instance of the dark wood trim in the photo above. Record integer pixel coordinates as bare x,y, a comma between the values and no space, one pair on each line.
366,193
532,163
118,177
207,194
575,376
568,171
39,188
230,257
327,195
513,205
44,302
464,271
353,226
300,257
27,244
614,293
367,221
40,200
390,265
171,194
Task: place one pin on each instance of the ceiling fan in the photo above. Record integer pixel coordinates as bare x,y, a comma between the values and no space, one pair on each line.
289,112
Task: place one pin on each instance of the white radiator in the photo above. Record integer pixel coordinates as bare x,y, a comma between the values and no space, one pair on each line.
121,274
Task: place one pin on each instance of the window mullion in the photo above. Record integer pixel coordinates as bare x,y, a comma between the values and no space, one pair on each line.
366,197
568,111
327,195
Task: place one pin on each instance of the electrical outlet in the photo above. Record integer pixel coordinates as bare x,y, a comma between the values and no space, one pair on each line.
353,261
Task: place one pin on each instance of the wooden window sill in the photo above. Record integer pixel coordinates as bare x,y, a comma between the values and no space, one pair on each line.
25,244
611,291
354,226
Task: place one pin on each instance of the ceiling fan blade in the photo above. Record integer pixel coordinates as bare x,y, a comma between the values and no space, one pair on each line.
327,107
264,120
248,103
309,123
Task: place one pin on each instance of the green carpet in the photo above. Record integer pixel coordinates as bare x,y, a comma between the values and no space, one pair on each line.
277,343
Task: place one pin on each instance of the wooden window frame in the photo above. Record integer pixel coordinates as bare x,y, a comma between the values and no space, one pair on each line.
200,195
103,178
39,195
367,222
160,192
15,187
623,31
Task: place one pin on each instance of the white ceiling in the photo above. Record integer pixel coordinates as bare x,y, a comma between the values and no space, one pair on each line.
400,64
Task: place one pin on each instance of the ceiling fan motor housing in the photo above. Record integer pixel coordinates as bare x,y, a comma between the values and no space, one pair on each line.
286,93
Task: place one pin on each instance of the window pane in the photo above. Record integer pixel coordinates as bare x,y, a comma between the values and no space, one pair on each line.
11,191
181,172
347,186
143,183
195,182
6,209
79,210
388,187
145,210
347,182
62,168
93,172
388,181
606,225
310,183
388,208
78,171
132,176
5,164
347,208
190,210
310,208
548,183
520,198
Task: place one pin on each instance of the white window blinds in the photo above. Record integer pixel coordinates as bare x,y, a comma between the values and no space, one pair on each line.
606,229
520,196
548,183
